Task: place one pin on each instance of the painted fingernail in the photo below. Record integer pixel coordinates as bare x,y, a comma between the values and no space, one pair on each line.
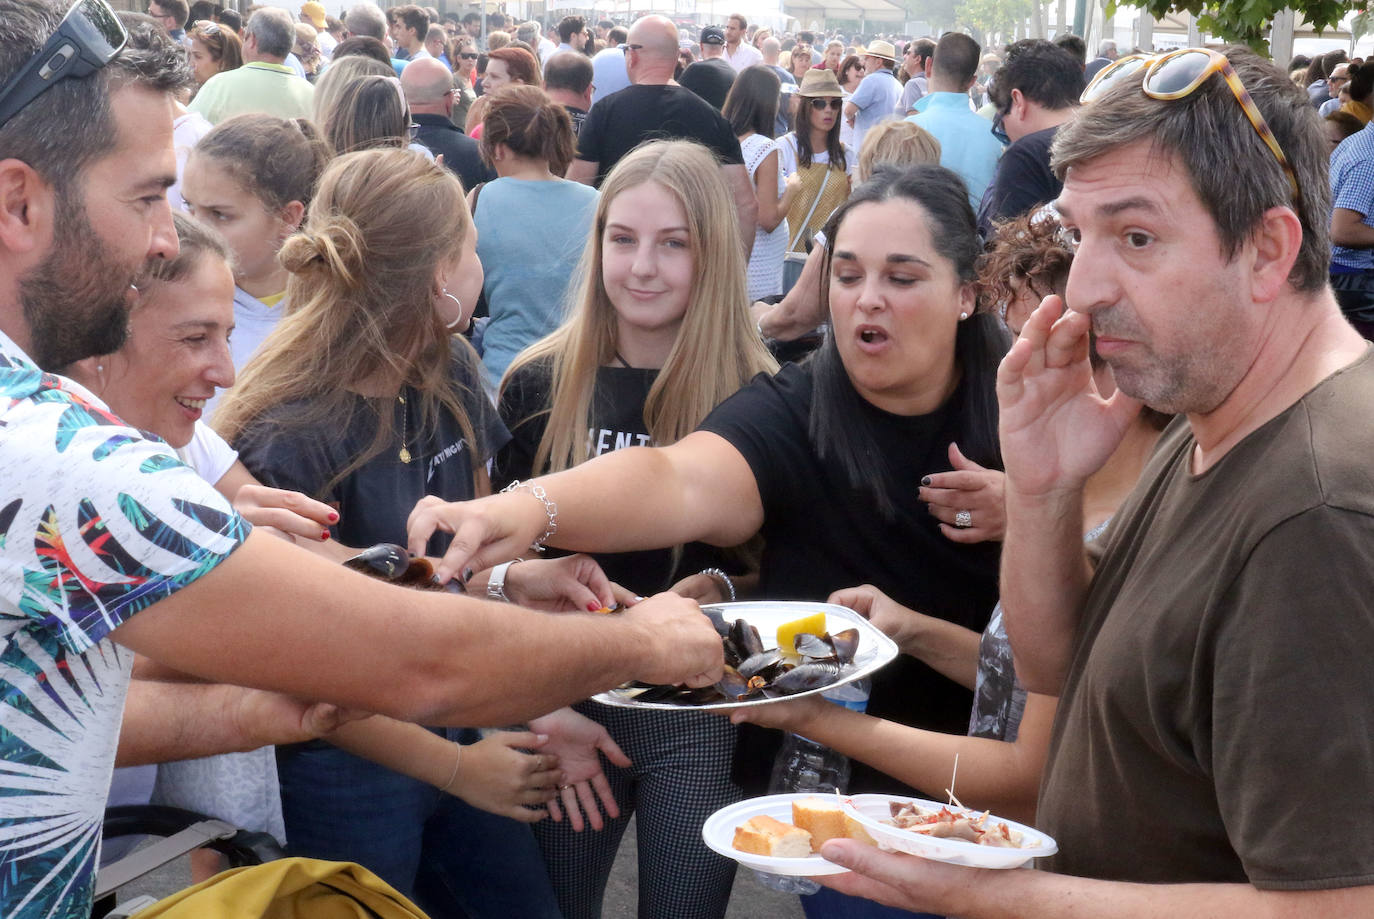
324,536
593,606
467,575
333,516
925,480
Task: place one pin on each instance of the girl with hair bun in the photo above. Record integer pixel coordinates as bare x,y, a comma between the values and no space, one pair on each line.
251,179
659,334
531,224
364,399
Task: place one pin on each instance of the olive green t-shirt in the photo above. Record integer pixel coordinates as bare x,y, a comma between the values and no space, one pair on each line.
1217,724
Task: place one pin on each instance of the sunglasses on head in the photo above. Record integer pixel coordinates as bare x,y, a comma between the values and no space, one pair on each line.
206,26
821,105
88,38
1178,74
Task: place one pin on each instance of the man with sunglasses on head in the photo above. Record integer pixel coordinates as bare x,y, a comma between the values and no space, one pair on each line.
1214,742
110,546
1035,91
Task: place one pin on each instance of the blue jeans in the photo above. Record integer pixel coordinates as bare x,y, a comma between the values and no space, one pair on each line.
452,859
830,904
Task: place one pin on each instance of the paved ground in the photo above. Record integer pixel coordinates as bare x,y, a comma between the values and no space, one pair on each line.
750,899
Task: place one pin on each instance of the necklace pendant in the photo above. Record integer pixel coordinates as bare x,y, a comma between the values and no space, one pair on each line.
405,455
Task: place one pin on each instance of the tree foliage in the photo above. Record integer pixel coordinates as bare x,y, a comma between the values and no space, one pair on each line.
989,16
1247,21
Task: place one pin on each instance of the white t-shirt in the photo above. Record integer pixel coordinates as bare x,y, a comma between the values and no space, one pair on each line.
253,321
746,55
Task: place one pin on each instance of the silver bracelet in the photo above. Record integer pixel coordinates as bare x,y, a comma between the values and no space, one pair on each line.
717,573
550,509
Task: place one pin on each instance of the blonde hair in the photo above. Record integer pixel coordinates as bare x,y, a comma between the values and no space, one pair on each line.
342,72
903,143
360,301
717,349
497,40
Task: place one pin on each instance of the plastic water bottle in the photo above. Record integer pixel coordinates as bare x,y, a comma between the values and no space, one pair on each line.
803,765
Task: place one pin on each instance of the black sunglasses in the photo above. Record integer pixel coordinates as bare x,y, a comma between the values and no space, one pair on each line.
821,105
469,55
89,38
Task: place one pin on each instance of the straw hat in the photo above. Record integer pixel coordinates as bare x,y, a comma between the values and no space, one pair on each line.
820,83
882,49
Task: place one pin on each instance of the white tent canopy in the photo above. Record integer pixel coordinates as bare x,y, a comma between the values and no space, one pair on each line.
869,10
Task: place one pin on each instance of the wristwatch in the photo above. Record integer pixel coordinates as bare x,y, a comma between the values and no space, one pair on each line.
496,584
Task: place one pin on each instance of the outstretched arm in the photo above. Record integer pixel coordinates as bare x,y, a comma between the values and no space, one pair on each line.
273,616
700,489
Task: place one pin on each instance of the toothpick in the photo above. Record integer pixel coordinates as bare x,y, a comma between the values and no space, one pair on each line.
950,790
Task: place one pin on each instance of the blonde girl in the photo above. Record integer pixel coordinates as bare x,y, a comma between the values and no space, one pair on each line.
659,335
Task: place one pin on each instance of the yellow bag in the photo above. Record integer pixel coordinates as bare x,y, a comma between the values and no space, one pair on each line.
288,888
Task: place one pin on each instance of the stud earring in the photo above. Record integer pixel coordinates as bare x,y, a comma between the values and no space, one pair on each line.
963,316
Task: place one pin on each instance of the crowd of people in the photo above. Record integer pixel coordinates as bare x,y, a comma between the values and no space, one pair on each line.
1049,366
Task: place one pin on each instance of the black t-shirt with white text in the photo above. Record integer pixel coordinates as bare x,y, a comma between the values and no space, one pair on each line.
293,447
617,421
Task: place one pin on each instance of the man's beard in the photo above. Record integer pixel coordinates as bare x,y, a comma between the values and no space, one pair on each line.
76,301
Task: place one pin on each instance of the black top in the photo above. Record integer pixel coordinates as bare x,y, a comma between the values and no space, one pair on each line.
460,154
710,79
821,535
1023,181
577,115
625,119
292,447
617,417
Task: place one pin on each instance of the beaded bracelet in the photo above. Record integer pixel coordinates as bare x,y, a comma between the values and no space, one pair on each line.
550,508
717,573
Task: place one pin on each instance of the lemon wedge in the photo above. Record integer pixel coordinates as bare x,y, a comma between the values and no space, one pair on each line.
813,624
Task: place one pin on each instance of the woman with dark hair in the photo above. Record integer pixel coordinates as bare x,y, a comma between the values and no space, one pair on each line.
822,459
531,223
505,67
1361,88
751,108
814,153
214,49
851,73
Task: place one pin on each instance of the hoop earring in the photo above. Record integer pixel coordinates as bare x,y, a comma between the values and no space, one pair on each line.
461,318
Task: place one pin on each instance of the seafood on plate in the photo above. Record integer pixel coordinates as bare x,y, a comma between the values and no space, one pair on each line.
755,672
962,824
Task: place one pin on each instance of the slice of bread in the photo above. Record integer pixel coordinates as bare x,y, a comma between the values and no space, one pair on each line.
822,819
767,836
825,820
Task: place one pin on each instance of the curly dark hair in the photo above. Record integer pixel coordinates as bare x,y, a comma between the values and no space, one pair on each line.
1029,250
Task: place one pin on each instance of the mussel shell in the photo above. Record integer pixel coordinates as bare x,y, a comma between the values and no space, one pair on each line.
384,560
845,644
811,675
722,627
814,646
744,639
732,684
757,664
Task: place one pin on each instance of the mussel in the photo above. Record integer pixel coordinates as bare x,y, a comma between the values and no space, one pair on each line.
391,562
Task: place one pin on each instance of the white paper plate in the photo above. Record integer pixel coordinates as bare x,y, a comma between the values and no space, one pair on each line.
872,810
719,833
875,649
